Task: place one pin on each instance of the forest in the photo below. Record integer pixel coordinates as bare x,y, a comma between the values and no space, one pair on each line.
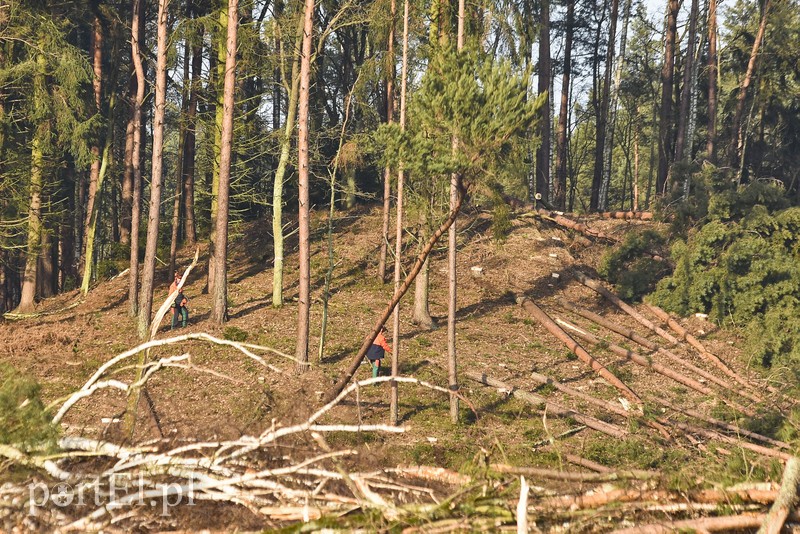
505,185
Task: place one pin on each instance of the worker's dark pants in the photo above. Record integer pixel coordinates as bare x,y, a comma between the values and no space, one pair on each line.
179,311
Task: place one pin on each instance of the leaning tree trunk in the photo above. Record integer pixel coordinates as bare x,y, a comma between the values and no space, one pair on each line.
737,137
148,274
280,173
665,118
304,296
560,185
219,298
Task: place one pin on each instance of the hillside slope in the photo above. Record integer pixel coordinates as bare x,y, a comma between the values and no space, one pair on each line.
223,395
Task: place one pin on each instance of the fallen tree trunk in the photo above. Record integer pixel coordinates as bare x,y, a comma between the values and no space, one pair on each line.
619,410
579,351
628,215
694,342
568,476
786,500
599,288
723,424
706,524
643,341
560,220
552,407
710,434
658,368
588,464
598,497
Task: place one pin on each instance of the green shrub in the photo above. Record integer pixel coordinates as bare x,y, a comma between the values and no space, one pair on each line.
231,333
631,267
23,420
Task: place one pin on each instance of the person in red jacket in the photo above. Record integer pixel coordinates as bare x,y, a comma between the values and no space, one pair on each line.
377,351
179,309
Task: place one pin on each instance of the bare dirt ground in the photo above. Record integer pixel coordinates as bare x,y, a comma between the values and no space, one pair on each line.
225,396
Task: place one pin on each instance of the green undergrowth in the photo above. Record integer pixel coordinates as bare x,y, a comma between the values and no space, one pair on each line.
631,265
24,423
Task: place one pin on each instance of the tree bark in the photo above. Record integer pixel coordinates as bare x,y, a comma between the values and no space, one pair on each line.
786,500
387,172
602,119
560,185
545,74
737,137
189,146
398,251
127,175
304,292
219,298
179,165
148,273
137,36
711,148
665,116
280,173
686,91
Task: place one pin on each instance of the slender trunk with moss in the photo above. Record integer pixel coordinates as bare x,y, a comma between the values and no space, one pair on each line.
137,35
387,173
26,303
280,172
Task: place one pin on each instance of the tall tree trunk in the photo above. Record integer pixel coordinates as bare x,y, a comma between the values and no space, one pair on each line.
137,36
560,186
148,273
189,146
26,303
394,403
304,297
179,167
219,309
280,173
219,107
94,171
611,124
545,74
66,229
665,115
387,172
452,302
681,142
711,148
127,175
602,112
636,161
737,138
91,230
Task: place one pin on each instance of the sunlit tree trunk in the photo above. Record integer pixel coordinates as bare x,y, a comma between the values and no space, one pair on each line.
26,303
137,35
189,146
387,176
179,166
127,175
219,309
560,185
148,273
394,404
304,296
280,172
94,171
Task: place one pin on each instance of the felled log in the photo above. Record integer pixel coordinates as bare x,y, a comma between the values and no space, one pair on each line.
560,220
588,464
579,351
567,476
710,434
694,342
786,500
643,341
599,288
598,497
619,410
657,367
706,524
628,215
552,407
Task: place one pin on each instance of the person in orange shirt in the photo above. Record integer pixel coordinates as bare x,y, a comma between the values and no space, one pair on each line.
377,351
